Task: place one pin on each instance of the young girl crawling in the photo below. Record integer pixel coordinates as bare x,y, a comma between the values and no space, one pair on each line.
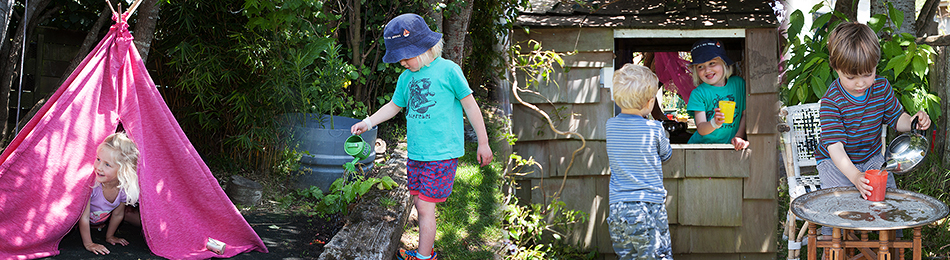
116,186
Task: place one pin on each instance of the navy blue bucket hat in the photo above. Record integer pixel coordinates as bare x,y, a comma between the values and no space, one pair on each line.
706,50
408,36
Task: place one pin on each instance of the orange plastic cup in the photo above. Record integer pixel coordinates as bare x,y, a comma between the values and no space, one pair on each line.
727,108
878,180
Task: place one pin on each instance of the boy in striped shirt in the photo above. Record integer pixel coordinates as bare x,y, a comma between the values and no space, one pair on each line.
636,147
853,110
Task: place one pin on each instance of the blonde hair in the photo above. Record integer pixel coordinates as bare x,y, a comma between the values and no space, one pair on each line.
634,86
126,156
726,71
853,48
430,55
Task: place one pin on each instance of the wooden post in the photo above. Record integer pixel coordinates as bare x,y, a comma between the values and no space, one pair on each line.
836,244
812,241
883,253
917,243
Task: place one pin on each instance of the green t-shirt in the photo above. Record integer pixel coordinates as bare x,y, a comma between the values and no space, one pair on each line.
706,98
431,98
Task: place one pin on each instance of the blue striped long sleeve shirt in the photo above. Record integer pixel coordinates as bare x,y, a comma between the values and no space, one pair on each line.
636,149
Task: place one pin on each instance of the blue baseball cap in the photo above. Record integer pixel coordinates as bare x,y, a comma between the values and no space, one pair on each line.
408,36
706,50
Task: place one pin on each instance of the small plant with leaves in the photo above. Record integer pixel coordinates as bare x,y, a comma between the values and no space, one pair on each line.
344,192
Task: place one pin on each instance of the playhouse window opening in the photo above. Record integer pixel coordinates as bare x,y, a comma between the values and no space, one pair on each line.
669,104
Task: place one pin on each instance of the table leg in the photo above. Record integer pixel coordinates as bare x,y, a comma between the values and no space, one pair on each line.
883,252
917,243
836,244
812,242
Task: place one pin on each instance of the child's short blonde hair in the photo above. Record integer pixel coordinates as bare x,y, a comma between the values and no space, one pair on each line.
634,86
853,48
430,55
126,156
726,71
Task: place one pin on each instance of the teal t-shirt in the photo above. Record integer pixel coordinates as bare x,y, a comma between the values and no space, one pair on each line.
431,98
706,98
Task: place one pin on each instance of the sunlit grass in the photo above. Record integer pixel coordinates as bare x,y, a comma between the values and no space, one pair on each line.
468,221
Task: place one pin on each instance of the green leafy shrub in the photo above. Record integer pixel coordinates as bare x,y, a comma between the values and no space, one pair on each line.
903,62
342,194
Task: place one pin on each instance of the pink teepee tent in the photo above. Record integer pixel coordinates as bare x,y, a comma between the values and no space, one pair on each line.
47,171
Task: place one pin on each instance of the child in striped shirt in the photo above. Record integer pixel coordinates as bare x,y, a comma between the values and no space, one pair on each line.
853,110
636,147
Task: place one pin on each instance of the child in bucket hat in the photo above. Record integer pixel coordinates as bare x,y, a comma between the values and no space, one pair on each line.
712,73
435,93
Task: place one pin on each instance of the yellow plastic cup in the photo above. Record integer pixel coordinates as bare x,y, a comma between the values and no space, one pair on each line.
728,108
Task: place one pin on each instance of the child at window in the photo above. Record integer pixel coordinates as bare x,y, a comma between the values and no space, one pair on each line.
712,72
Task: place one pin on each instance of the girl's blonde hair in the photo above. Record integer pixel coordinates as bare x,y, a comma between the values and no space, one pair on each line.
727,71
126,156
430,55
634,86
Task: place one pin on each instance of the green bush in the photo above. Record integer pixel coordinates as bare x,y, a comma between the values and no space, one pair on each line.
903,62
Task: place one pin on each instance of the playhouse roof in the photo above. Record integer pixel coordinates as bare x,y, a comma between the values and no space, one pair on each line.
651,14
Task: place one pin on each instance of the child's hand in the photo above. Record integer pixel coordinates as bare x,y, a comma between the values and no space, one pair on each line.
739,143
484,154
923,120
863,186
719,118
113,240
97,248
359,128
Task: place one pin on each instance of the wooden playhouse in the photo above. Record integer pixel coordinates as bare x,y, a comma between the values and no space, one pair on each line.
722,203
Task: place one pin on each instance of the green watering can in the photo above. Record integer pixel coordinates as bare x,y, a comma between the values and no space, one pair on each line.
356,147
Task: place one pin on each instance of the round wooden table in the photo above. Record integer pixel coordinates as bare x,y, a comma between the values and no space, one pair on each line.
843,209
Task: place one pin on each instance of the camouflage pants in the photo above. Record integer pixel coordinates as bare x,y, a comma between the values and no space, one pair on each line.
639,230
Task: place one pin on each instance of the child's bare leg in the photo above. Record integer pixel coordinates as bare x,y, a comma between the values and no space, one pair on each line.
132,216
427,225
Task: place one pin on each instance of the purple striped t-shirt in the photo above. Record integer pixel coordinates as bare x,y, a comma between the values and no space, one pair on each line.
857,123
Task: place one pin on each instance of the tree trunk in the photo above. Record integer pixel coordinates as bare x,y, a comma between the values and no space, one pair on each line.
906,6
6,13
940,78
436,14
145,27
12,66
456,29
925,21
849,8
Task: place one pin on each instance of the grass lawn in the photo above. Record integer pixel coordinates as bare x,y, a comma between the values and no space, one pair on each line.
930,179
469,222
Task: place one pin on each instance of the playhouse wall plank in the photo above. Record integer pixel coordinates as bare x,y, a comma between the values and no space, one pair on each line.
761,114
762,60
675,167
710,202
672,194
566,39
717,163
711,239
588,120
577,85
757,233
763,178
587,194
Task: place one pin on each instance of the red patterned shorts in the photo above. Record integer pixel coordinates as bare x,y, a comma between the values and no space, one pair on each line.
432,180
